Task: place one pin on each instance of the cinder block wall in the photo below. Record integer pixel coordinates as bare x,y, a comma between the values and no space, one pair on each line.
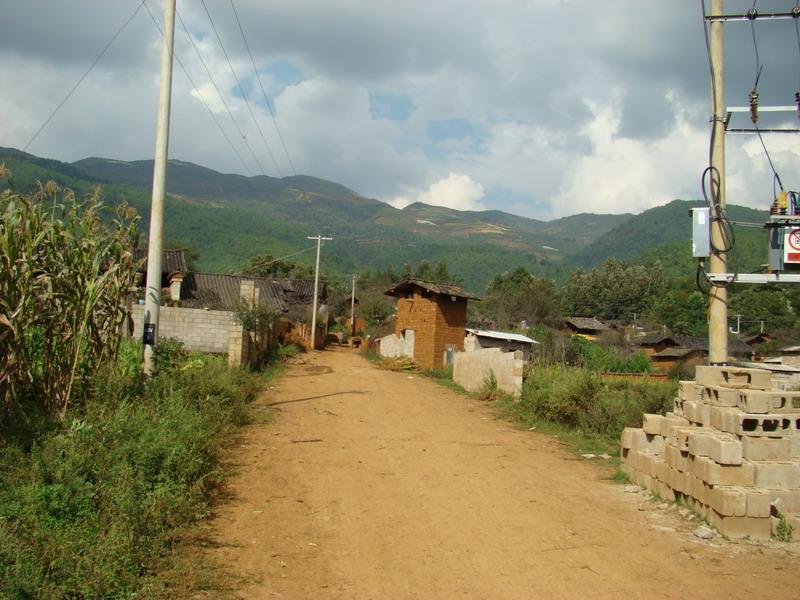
472,369
199,329
392,346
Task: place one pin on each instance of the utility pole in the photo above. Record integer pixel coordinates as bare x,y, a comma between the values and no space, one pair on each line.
152,302
353,308
718,303
319,239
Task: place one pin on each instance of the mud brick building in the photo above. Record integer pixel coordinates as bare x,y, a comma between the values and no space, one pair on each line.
431,320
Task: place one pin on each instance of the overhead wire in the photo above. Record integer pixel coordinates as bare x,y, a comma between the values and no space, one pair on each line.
241,90
219,93
85,75
263,92
203,102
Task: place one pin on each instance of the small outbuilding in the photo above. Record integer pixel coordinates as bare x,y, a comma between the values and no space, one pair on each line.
507,342
431,322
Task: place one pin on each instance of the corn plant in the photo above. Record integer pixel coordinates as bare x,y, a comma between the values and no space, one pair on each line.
64,283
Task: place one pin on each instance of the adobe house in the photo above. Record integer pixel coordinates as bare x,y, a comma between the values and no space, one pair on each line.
173,270
431,322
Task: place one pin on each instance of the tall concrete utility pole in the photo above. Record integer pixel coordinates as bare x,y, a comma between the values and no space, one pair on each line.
152,302
319,239
718,304
353,308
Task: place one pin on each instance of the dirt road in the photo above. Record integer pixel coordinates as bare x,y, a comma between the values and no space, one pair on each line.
378,485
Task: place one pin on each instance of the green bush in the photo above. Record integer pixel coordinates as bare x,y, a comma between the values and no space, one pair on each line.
89,507
581,399
595,357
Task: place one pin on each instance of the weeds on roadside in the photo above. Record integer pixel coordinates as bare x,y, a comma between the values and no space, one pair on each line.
91,506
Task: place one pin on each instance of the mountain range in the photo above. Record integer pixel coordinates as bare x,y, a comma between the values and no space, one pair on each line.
227,218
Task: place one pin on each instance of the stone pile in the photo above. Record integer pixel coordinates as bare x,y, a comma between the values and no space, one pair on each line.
730,450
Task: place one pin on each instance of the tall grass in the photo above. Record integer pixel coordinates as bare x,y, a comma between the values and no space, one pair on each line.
586,401
90,505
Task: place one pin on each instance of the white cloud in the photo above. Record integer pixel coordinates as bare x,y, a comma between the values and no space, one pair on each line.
457,191
571,110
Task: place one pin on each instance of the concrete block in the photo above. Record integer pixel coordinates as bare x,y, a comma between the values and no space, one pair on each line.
676,459
715,474
700,490
772,401
689,390
768,425
652,424
735,377
677,406
724,419
795,445
672,420
780,475
699,442
758,502
740,527
693,411
665,491
729,501
725,449
763,448
720,396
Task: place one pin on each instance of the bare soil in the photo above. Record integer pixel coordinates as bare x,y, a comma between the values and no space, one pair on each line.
370,484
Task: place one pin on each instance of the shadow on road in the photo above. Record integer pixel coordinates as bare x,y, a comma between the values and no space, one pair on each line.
312,398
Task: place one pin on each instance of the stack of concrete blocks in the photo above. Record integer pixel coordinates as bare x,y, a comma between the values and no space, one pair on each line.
730,450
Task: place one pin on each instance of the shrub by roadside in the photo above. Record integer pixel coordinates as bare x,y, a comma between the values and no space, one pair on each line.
586,401
90,506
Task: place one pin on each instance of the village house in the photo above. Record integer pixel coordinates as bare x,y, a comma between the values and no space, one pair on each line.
586,327
668,352
431,323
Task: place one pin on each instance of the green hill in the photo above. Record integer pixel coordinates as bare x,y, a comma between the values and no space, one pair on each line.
661,226
228,218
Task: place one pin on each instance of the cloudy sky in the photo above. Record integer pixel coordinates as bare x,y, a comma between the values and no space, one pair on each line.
541,108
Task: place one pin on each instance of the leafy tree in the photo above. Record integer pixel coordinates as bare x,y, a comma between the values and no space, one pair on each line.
518,296
759,303
682,311
616,291
266,265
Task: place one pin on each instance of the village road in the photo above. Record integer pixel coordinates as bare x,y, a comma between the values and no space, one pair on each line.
377,485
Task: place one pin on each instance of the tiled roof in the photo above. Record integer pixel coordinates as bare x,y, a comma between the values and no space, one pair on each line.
172,261
589,323
301,291
218,291
676,352
444,289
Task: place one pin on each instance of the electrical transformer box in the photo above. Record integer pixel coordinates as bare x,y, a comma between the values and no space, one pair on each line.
701,232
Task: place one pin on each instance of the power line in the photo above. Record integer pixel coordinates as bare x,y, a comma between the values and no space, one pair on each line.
203,102
241,90
219,93
264,93
89,70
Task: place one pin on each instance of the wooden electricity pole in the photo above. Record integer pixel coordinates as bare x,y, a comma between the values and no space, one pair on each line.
353,308
718,303
319,239
152,302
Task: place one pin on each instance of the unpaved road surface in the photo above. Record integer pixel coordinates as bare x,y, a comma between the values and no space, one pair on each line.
377,485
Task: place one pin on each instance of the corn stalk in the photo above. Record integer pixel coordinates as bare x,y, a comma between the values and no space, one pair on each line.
63,291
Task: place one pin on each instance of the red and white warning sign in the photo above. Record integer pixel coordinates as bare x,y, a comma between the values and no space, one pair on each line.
791,246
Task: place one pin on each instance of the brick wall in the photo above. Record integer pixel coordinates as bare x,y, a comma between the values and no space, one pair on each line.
437,322
472,369
199,329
